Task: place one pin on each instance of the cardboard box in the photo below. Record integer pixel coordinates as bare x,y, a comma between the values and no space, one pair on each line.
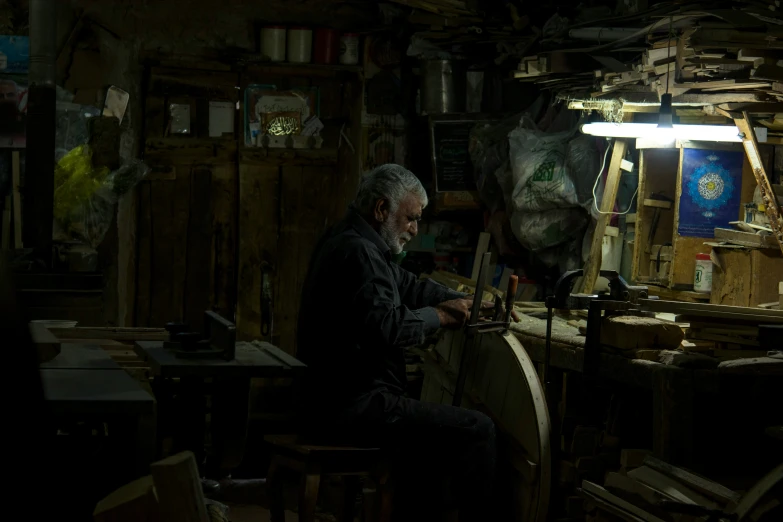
746,277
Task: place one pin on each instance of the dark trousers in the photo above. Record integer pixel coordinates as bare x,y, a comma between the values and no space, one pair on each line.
434,449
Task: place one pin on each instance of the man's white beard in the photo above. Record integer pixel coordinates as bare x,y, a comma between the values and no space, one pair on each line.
392,238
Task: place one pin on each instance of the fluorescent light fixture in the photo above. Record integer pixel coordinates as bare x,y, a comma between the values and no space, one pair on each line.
728,133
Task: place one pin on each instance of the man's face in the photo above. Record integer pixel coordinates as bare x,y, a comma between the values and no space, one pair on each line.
401,226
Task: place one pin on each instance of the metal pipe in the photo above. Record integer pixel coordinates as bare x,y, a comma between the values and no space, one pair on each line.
39,171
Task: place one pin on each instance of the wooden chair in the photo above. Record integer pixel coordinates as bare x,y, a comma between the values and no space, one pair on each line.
313,462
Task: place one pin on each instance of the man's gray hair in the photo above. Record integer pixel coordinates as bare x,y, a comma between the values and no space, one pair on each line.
391,182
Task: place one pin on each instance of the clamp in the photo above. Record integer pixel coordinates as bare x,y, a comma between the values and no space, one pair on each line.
499,322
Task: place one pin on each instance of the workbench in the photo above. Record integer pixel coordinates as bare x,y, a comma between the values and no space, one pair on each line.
673,388
81,357
181,385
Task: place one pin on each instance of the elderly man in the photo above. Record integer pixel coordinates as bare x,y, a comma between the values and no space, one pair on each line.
359,312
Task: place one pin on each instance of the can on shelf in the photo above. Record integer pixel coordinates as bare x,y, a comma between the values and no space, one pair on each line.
349,49
327,46
273,42
702,279
300,44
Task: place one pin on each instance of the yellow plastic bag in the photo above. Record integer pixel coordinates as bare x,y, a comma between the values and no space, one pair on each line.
75,182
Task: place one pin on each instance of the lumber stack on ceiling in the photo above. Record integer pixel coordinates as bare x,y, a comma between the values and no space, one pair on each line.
709,56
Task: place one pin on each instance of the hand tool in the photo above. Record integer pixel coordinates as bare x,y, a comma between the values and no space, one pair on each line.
476,326
217,342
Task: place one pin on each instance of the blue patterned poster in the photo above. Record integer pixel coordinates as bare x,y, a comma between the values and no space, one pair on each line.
711,183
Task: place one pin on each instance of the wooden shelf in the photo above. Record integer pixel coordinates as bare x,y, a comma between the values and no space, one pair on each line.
288,156
258,62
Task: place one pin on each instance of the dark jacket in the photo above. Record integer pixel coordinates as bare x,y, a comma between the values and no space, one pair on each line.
359,312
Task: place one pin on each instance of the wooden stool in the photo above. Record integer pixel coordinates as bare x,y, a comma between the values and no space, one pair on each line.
312,462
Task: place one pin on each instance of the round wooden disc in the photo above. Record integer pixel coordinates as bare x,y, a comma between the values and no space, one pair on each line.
502,381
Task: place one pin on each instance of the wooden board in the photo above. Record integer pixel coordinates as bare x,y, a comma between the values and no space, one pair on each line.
178,488
133,502
598,491
258,234
735,313
223,251
749,239
196,292
658,175
47,345
593,264
704,486
17,195
743,276
170,209
502,381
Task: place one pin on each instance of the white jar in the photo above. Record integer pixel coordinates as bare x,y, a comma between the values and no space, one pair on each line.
273,42
349,49
702,279
300,44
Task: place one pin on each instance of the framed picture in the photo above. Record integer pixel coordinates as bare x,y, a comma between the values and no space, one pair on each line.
711,187
266,99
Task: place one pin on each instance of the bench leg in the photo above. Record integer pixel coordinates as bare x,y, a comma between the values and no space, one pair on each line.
386,493
351,490
308,496
274,486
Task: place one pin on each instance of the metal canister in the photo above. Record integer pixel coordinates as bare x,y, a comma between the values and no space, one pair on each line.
442,86
327,46
273,42
349,49
300,44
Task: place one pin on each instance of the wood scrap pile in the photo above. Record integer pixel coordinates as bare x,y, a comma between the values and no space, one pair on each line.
449,23
173,492
702,57
642,493
727,340
691,342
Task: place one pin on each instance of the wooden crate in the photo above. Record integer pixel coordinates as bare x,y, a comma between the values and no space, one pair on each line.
746,277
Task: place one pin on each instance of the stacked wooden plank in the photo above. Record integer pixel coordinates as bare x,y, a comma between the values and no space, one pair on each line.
723,339
444,7
716,56
117,342
639,494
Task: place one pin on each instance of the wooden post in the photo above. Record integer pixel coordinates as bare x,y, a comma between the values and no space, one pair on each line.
593,264
751,145
17,201
6,230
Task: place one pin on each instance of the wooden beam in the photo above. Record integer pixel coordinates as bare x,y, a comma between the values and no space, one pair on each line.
593,264
17,201
754,157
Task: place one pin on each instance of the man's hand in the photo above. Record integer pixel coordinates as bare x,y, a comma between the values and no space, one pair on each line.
489,305
455,313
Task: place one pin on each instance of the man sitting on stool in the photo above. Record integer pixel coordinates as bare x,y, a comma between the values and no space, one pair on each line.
359,312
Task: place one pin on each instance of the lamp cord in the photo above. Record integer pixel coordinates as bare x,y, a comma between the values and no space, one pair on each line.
595,185
669,52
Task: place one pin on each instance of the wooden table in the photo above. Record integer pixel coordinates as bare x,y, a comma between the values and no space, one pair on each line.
105,395
229,388
81,357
